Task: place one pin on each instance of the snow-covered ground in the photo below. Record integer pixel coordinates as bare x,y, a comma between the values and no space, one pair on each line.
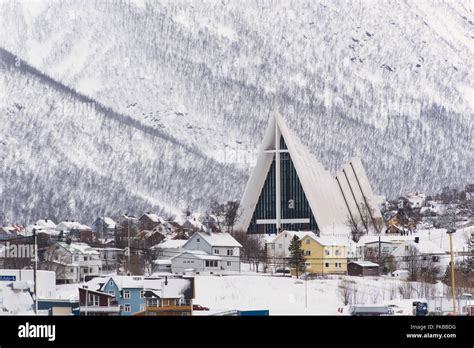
286,296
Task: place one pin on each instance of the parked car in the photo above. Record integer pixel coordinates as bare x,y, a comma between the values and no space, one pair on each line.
285,270
197,307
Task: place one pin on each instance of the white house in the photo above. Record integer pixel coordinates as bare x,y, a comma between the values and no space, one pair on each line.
196,260
110,258
387,243
73,262
222,245
67,226
279,246
425,251
415,199
168,248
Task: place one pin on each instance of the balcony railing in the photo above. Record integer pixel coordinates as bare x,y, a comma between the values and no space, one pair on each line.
182,303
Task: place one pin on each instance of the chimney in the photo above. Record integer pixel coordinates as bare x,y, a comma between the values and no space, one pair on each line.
417,239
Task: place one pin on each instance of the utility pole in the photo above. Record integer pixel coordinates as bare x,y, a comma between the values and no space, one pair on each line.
128,237
380,248
450,233
34,271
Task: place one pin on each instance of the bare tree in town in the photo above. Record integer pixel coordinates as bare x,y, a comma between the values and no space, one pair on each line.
364,222
232,214
253,248
413,264
346,291
55,261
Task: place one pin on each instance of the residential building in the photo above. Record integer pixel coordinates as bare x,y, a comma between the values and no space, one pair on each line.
97,303
172,297
424,252
196,261
290,190
74,262
146,239
222,245
415,199
278,248
137,295
110,258
127,291
149,221
324,255
104,227
388,243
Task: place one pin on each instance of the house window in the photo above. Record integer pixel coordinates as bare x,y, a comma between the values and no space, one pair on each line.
228,263
338,252
111,282
126,294
326,252
435,258
385,249
308,241
211,263
307,253
326,264
198,240
127,308
152,302
280,246
93,300
230,252
216,251
142,293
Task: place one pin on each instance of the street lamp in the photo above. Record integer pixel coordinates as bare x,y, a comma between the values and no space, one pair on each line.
306,266
450,233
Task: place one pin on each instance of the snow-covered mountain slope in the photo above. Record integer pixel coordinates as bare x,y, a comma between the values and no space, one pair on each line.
64,156
389,81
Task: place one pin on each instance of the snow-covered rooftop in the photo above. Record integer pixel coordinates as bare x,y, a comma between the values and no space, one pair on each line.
154,217
170,244
365,263
220,239
79,248
71,225
198,254
300,234
423,247
46,223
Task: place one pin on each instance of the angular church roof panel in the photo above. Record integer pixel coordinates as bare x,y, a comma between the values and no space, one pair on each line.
330,202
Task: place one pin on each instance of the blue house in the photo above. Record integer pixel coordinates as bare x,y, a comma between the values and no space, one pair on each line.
128,292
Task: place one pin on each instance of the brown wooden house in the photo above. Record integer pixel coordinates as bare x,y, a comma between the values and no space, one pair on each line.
362,268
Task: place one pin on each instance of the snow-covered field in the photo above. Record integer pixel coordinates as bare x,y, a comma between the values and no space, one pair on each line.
286,296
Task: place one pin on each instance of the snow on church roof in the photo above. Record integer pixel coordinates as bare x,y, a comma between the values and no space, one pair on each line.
329,202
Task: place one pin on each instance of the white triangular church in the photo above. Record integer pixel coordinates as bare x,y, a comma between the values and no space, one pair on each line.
290,190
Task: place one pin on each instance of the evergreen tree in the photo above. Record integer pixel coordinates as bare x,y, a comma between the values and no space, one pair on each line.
297,259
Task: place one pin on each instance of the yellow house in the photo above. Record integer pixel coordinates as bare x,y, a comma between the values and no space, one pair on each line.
323,255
